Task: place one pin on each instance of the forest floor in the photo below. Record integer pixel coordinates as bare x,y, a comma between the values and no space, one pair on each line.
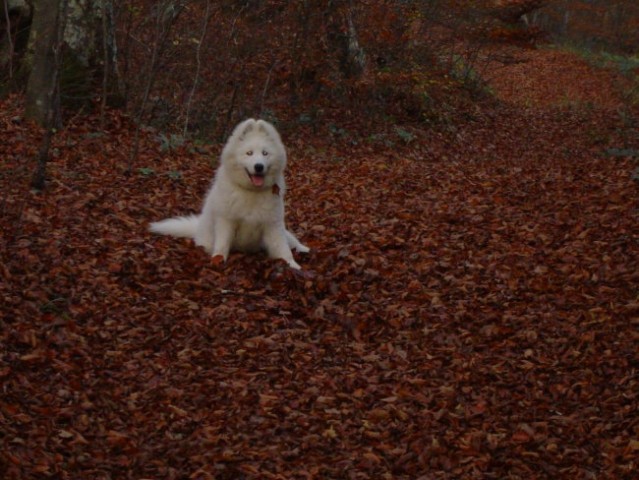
469,309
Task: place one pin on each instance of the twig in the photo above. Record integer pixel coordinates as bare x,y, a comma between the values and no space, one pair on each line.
198,61
229,114
232,34
166,16
105,73
8,20
228,293
266,83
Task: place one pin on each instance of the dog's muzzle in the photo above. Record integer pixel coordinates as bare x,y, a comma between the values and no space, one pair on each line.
257,177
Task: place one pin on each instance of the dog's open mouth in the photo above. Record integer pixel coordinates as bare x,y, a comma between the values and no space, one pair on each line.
257,179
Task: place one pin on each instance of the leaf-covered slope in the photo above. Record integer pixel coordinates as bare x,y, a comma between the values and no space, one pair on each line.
469,310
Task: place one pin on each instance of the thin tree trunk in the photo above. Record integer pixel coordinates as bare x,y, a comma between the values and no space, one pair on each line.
266,85
44,75
355,55
42,102
10,52
167,13
343,35
106,58
39,177
198,66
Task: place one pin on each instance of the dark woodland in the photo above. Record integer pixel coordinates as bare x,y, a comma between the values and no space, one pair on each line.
466,174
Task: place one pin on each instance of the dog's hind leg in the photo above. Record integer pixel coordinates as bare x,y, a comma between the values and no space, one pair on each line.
294,243
277,245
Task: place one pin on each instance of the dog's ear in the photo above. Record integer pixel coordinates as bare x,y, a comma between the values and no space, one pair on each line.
268,129
262,126
245,128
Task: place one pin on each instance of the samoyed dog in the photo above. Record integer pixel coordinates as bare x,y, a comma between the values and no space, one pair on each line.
244,208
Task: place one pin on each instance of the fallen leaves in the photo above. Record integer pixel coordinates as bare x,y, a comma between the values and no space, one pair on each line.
574,81
468,310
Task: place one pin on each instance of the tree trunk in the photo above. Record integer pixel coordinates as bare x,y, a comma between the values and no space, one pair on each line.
86,34
511,11
355,58
43,79
15,17
344,38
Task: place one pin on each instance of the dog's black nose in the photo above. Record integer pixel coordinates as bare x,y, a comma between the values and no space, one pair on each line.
259,168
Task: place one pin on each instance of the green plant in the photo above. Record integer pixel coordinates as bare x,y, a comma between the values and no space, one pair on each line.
406,136
380,139
337,131
627,65
174,175
146,171
270,116
622,152
171,142
462,70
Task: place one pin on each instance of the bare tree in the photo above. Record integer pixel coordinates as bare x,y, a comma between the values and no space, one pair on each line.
43,80
43,88
511,11
69,29
166,13
110,71
15,19
343,36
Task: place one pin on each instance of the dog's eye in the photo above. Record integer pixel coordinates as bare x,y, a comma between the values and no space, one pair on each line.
264,152
249,153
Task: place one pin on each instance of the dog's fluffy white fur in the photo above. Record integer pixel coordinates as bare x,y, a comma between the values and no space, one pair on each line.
244,208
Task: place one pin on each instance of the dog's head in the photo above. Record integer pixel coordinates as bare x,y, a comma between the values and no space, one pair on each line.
254,155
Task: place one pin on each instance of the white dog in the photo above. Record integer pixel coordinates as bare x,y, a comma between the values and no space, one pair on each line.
244,209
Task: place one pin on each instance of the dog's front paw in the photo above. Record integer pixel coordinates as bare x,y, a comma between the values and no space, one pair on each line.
218,260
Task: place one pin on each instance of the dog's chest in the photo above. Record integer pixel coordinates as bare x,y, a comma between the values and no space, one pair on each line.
251,208
251,214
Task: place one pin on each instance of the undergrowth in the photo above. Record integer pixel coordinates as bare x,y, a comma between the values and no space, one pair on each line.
627,65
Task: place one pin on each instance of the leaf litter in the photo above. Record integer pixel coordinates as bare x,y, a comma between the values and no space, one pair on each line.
469,309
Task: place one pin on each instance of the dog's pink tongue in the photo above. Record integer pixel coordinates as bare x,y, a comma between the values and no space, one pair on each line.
257,180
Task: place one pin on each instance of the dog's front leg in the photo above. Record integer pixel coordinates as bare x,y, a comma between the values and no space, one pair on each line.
204,232
223,232
276,245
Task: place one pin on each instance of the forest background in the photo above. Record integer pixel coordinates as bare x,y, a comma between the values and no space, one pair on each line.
465,173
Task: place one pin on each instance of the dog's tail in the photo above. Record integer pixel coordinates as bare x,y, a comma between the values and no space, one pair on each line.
176,227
